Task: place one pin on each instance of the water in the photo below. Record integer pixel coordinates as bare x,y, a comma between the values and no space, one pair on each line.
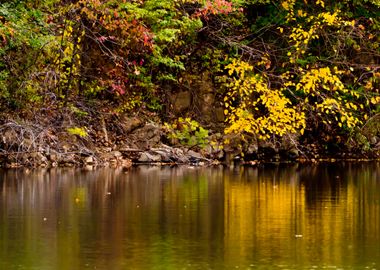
275,217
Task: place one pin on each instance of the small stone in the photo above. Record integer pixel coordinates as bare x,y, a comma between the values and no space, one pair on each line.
89,160
374,140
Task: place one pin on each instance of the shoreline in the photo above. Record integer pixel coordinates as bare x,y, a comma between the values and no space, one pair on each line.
117,159
129,141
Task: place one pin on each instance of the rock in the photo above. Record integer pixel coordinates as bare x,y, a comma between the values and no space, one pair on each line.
214,152
374,140
126,163
252,149
196,158
130,153
267,151
90,160
53,157
166,155
147,137
181,101
251,152
68,160
131,123
293,153
219,114
179,156
194,154
207,106
112,156
377,146
116,154
146,157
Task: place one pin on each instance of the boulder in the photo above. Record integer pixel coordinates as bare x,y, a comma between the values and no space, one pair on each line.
181,101
166,155
146,157
147,137
130,124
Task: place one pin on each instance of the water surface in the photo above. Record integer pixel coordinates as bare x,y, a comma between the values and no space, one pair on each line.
274,217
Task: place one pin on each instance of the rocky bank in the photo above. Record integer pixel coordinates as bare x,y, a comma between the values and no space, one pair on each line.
125,141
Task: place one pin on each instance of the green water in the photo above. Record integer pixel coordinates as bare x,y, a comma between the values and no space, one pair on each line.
274,217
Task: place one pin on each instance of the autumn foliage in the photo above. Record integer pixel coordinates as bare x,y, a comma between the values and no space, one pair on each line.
307,69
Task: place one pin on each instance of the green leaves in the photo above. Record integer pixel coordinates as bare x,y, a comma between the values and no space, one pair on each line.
188,132
25,40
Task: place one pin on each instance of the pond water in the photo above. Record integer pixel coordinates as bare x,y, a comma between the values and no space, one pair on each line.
272,217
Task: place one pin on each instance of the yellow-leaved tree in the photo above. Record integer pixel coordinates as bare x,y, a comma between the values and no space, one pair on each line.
253,108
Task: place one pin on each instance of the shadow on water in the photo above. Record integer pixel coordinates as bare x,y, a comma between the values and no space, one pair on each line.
291,217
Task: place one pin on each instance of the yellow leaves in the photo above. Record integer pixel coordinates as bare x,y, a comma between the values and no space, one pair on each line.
285,5
288,5
278,117
265,61
300,39
301,13
238,67
321,3
327,97
375,100
307,27
330,19
331,107
320,78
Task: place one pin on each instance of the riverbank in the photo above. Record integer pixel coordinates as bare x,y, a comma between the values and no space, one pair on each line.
83,82
56,139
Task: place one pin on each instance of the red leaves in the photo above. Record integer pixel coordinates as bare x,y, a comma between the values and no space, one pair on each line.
102,39
215,7
147,40
119,89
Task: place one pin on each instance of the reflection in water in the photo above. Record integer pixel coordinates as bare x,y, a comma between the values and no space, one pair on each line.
181,218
